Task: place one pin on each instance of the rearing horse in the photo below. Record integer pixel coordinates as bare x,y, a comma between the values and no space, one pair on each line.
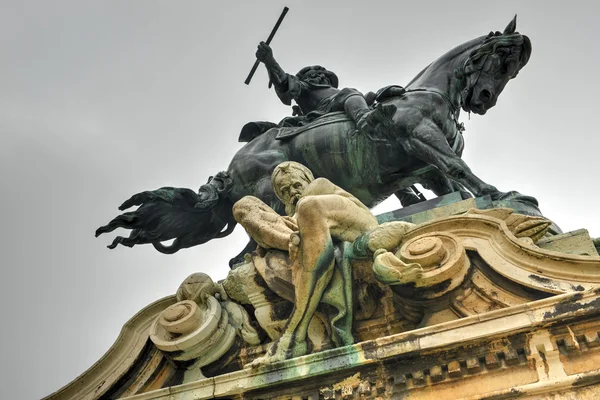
421,142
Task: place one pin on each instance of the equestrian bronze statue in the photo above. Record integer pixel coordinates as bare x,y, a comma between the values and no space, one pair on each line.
406,135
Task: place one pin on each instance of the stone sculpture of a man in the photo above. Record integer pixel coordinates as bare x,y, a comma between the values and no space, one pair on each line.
320,214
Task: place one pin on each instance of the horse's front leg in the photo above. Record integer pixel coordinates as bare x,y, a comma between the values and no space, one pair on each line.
428,143
439,183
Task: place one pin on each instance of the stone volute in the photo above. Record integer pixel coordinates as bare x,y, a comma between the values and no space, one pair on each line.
187,331
443,259
181,318
438,259
197,327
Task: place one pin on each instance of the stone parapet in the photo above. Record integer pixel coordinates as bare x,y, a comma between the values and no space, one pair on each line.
532,349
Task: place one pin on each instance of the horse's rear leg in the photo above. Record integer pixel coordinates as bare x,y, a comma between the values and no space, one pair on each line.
439,184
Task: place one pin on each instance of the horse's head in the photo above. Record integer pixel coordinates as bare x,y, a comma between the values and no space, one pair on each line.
491,65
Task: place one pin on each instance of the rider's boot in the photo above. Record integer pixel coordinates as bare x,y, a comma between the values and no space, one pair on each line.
367,119
362,124
381,114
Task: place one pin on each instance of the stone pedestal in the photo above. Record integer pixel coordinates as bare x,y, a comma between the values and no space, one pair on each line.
493,315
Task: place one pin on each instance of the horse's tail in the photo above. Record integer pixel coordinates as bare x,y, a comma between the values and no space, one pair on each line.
174,213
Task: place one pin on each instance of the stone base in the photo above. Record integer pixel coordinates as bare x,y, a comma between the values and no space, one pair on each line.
459,202
544,349
499,318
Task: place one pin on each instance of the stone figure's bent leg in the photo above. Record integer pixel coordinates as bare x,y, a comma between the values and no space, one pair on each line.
321,219
439,183
268,228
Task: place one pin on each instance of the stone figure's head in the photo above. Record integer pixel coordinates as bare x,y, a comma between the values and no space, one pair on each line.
318,75
289,181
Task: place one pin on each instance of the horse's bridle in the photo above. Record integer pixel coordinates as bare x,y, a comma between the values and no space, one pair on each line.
469,88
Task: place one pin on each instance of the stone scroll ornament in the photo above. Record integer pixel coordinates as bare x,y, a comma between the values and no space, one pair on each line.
203,325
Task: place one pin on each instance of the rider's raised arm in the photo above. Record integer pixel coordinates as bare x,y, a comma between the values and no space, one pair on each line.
264,54
287,87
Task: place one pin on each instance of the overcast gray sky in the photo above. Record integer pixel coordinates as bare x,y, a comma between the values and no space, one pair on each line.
100,100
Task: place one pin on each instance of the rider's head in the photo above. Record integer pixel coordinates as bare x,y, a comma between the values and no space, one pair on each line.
318,75
289,181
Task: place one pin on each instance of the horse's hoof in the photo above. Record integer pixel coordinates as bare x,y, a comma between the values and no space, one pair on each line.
497,195
513,195
488,189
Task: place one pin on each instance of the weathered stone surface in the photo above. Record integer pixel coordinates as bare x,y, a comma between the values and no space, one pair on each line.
353,371
489,304
576,242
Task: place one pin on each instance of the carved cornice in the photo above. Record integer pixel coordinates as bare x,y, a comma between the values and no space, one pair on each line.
481,266
527,319
517,259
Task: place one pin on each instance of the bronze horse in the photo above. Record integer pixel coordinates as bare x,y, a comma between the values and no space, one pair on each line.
421,142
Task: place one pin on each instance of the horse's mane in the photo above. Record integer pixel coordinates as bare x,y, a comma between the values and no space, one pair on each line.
483,46
461,48
496,40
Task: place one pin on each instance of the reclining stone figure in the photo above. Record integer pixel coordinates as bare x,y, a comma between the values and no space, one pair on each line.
320,214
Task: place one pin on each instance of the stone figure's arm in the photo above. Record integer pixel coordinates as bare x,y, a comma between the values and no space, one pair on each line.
263,224
287,86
